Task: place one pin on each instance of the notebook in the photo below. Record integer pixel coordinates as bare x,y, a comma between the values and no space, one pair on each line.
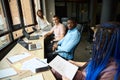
30,46
35,65
30,37
7,72
18,57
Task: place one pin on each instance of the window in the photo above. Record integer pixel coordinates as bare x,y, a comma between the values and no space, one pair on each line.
14,15
27,10
4,41
14,12
3,22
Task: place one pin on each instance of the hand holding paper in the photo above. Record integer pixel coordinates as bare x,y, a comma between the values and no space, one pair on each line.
63,67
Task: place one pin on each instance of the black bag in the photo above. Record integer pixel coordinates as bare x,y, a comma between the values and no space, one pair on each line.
47,43
51,56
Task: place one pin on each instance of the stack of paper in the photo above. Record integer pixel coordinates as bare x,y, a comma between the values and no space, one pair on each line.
63,67
7,72
18,57
34,64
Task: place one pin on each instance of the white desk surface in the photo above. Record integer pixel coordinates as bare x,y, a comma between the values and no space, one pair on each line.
17,49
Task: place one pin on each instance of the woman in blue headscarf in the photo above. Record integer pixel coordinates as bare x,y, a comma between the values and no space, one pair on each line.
105,61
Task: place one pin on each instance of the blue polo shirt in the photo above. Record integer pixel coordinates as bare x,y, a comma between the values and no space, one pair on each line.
68,43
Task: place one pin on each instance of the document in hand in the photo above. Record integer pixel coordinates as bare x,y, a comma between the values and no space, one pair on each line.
63,67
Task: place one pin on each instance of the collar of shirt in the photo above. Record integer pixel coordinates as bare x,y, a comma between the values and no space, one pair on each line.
72,29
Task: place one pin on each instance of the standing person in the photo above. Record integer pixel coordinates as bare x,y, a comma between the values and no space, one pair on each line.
41,19
105,61
55,34
68,43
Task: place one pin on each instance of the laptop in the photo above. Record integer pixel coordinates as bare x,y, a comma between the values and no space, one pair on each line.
30,46
36,30
30,37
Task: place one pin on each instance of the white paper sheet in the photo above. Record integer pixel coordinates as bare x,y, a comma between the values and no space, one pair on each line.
7,72
34,77
18,57
63,67
33,64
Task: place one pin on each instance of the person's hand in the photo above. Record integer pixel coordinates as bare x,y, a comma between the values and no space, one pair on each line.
54,46
55,40
65,78
71,61
80,64
45,35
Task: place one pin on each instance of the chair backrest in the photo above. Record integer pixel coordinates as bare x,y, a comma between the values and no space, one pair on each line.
76,47
80,28
64,21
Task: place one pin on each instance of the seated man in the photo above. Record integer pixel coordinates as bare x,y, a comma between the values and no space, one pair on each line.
68,43
58,29
58,32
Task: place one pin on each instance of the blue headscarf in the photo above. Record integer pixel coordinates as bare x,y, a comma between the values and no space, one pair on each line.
106,46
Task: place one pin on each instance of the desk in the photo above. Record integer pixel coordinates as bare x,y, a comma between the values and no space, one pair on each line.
47,75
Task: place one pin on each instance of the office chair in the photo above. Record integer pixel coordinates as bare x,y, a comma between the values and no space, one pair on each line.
64,21
80,28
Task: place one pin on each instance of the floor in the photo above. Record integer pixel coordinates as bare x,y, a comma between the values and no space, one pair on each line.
82,52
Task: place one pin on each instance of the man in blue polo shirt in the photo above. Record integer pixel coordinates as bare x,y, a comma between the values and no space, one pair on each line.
68,43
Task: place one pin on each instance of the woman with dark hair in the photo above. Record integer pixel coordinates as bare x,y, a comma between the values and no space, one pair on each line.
105,61
41,20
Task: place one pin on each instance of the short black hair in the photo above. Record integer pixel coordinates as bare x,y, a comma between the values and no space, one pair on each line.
72,19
